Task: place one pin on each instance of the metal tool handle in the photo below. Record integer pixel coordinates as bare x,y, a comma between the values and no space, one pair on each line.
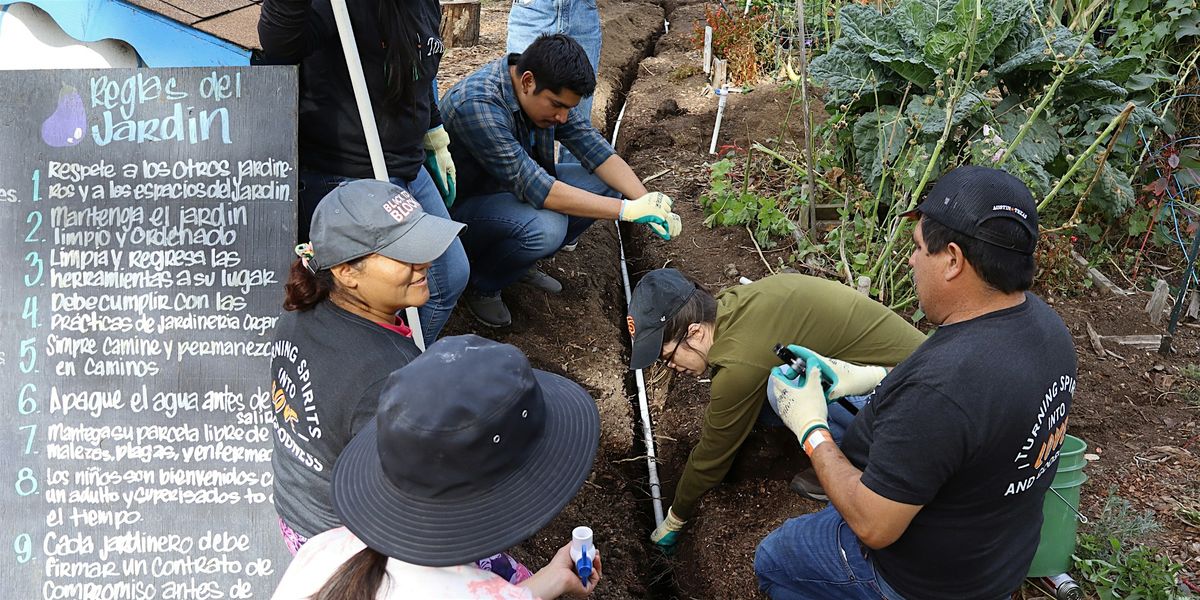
1082,519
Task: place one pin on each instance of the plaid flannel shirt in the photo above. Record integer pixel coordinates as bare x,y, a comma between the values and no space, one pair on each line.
497,149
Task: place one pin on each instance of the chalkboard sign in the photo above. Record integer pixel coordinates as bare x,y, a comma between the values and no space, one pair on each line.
146,225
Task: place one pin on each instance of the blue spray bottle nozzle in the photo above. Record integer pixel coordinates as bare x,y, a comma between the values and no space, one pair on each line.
583,553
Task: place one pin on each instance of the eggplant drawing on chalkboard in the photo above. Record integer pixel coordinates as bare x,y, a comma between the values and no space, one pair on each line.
66,126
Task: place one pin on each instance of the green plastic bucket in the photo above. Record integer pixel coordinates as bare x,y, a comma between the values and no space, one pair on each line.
1060,512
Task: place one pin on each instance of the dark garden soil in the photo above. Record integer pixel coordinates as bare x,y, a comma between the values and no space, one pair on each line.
1136,409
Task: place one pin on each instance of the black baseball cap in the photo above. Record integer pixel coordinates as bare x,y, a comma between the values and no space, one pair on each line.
471,452
368,216
657,297
967,198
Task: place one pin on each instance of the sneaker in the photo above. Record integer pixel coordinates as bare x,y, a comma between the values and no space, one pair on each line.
539,279
570,247
806,484
489,310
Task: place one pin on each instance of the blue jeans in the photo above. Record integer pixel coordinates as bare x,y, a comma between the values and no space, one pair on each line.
447,274
505,235
818,556
839,418
577,18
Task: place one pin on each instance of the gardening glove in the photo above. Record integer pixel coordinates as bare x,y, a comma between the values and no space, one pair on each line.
439,163
666,535
850,380
653,209
802,404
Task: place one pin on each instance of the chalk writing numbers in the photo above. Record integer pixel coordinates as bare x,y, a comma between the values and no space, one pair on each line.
26,404
37,182
26,483
23,547
35,263
28,355
29,441
35,221
30,310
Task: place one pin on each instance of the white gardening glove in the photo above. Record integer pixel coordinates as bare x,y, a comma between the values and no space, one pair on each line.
666,535
653,209
852,380
439,163
801,403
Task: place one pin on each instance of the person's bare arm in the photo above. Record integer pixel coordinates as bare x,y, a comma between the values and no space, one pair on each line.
876,520
570,200
619,176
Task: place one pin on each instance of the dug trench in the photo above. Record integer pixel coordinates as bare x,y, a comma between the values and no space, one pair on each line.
1128,404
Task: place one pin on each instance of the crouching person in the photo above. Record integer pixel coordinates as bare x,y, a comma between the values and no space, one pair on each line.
937,488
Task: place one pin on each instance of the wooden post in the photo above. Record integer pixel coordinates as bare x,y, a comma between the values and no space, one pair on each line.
708,33
719,74
460,23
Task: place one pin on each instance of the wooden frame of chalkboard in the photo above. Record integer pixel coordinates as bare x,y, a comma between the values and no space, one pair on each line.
147,219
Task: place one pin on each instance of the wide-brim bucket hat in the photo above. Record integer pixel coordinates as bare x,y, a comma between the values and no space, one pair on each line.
500,450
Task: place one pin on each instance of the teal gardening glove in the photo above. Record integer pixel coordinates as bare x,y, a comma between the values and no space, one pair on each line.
439,163
849,379
666,535
653,209
802,404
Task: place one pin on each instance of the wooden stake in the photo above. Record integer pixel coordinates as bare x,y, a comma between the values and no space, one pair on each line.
808,218
708,32
719,68
1158,301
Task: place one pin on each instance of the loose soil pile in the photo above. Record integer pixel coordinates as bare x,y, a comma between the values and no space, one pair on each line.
1135,409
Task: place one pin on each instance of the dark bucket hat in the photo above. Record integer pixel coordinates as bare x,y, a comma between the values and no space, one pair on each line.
658,296
368,216
470,453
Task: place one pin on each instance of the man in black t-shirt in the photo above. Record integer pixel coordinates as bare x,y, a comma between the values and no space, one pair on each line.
937,488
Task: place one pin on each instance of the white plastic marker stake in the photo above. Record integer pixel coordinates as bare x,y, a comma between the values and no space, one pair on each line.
583,552
723,93
747,11
370,130
666,26
708,31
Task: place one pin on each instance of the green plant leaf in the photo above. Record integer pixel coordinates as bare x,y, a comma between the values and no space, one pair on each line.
1041,144
916,20
869,30
1039,55
1113,195
909,66
847,69
932,118
879,138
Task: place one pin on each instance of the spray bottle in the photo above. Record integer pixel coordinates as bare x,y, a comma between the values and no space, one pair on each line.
583,552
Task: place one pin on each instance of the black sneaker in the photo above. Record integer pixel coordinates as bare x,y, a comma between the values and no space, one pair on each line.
806,484
540,280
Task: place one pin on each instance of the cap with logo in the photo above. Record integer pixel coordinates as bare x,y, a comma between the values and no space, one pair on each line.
368,216
471,452
658,296
968,199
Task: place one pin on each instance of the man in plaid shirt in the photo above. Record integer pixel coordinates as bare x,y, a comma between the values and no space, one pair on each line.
519,206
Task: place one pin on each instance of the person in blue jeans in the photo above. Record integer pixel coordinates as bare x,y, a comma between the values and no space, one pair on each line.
400,79
936,488
579,19
518,204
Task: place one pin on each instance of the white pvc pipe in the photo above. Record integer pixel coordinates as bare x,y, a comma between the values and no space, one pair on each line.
370,129
643,403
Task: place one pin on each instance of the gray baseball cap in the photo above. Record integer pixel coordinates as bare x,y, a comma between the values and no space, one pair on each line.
368,216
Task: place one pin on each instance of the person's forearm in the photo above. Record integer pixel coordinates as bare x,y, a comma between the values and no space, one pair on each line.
543,585
842,482
616,173
570,200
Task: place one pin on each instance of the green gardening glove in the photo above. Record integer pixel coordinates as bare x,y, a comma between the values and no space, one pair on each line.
653,209
666,535
801,402
851,380
439,163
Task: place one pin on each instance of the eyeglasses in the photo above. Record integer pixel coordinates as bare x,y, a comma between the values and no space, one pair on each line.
679,341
